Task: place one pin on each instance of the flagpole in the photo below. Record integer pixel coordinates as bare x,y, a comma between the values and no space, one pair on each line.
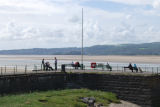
82,43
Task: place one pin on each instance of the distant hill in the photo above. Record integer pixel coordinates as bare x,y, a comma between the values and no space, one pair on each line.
123,49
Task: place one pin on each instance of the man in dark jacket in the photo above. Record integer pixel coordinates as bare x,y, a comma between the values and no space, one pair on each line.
55,62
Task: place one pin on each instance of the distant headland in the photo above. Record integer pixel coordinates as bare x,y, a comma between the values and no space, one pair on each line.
121,49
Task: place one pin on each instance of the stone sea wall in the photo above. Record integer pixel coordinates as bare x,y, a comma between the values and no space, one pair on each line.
142,90
31,82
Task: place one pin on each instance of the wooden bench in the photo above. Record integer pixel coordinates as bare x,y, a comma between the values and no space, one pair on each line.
132,68
73,65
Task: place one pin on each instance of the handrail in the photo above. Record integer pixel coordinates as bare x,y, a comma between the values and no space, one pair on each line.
15,69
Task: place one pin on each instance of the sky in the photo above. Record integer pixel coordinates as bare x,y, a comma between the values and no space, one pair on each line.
57,23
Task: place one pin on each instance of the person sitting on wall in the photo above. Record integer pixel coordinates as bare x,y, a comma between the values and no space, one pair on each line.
48,66
77,65
108,66
130,67
135,67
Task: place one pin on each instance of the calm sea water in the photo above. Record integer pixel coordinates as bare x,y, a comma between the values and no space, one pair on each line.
29,62
35,61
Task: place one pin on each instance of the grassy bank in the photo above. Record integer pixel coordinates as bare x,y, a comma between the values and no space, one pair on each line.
62,98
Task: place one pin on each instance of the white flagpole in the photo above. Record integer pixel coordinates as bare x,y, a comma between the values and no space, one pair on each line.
82,42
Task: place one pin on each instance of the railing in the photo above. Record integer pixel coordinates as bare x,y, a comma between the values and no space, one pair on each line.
118,68
18,69
24,69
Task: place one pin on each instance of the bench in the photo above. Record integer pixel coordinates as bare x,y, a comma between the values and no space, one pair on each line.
132,68
73,66
101,65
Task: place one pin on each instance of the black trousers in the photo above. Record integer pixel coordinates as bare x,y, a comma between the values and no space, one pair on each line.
55,66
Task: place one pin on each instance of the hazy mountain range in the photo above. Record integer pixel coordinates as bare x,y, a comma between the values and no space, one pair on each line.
123,49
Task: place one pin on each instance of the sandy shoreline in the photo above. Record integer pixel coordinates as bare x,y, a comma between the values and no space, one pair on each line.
110,58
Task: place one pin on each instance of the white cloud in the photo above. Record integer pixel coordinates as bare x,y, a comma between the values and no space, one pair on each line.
132,2
156,4
15,32
128,17
57,23
29,7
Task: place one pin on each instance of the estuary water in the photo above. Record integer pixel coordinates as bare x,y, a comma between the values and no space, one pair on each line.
32,60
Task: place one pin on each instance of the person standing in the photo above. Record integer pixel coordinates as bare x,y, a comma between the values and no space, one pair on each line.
55,62
43,64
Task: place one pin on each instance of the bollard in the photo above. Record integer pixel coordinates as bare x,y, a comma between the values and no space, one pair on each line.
152,70
63,68
25,69
81,66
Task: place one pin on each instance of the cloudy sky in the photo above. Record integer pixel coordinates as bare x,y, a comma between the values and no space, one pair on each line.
57,23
